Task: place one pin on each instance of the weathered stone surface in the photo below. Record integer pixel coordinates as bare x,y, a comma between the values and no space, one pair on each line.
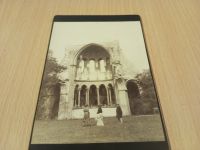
97,65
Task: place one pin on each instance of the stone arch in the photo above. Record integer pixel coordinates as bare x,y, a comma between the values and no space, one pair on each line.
92,69
133,93
112,94
103,95
85,47
93,95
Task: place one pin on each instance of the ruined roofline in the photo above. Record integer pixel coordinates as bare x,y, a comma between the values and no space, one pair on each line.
74,50
104,44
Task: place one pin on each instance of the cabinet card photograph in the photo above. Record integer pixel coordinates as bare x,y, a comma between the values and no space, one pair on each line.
97,85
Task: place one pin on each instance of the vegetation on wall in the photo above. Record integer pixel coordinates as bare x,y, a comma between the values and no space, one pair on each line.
50,90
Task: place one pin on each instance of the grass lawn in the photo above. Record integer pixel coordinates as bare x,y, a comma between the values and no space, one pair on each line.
134,129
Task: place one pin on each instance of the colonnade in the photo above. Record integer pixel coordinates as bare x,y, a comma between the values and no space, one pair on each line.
84,93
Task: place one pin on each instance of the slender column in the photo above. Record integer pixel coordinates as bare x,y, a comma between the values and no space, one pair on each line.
75,99
107,96
87,97
109,89
79,96
98,101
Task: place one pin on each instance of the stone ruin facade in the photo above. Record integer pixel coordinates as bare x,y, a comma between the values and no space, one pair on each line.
94,76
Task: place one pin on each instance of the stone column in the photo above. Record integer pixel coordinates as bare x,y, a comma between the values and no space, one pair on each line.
75,99
107,96
79,96
109,91
98,100
87,96
123,97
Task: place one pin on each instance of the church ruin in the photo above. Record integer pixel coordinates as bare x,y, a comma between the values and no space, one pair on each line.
94,76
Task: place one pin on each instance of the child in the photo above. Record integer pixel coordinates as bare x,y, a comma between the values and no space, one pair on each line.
99,117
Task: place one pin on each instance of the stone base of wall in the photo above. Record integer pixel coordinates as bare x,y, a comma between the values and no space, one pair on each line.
107,112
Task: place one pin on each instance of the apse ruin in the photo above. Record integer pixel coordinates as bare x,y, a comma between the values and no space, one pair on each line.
95,76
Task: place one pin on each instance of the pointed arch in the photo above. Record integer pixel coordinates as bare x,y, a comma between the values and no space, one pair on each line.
133,93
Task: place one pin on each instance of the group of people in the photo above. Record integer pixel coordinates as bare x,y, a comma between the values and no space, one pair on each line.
99,116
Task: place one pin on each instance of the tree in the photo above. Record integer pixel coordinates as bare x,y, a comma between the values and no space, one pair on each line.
148,99
52,69
50,89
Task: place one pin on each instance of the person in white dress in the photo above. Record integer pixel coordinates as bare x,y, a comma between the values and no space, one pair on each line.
99,117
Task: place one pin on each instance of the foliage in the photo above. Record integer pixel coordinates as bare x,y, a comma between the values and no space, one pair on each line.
52,68
148,99
49,92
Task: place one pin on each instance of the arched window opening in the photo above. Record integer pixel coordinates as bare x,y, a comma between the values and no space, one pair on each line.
93,96
81,66
83,95
103,95
102,65
133,95
92,70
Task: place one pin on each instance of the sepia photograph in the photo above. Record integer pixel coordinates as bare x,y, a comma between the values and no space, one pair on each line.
97,86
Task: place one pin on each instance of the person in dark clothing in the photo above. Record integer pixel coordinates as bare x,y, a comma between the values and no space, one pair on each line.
99,109
119,113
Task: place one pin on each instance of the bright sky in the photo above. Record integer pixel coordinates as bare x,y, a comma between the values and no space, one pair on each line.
129,35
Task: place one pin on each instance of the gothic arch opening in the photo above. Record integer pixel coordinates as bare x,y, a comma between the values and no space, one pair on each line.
93,96
83,96
103,95
133,94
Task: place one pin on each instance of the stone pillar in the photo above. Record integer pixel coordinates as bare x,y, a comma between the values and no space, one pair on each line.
87,96
75,98
123,97
107,96
79,96
115,91
98,100
124,102
109,91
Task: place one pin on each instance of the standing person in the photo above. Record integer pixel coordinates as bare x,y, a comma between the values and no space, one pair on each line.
86,117
119,113
99,117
